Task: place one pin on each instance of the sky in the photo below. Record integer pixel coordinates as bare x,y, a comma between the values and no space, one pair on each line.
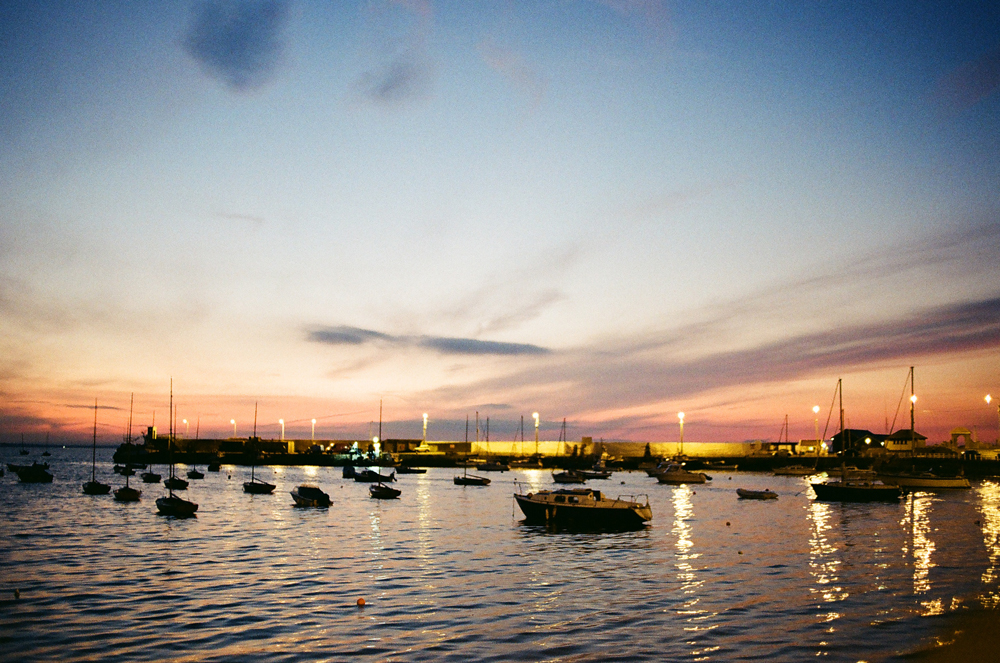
604,211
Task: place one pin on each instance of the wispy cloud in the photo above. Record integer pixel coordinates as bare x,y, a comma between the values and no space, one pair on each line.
345,335
404,71
408,76
238,42
970,83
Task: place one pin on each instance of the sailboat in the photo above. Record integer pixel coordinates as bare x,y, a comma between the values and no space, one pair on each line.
255,486
46,452
491,465
95,487
470,479
171,505
852,487
126,493
797,470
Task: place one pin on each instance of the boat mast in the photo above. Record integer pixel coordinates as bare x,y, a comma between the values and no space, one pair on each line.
93,464
913,403
840,394
253,444
170,439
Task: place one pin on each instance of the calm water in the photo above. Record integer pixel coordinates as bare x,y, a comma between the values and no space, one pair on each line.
448,573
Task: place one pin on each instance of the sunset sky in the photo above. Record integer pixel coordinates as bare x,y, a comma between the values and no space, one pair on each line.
606,211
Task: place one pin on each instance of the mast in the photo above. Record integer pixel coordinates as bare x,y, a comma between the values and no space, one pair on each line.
170,438
840,394
253,444
380,420
93,464
913,403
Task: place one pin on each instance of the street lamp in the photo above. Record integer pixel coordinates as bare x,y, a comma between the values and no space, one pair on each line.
233,422
314,431
680,415
816,423
535,415
282,422
187,428
425,428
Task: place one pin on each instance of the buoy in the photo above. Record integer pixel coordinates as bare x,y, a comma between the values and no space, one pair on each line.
17,593
739,552
727,523
361,603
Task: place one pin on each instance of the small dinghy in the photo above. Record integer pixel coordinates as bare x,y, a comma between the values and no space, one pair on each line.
756,494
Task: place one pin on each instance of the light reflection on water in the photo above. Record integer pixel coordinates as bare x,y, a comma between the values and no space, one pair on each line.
449,574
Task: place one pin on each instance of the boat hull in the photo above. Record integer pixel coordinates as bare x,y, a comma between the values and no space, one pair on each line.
315,497
473,480
623,515
756,494
380,492
127,494
681,478
258,487
839,492
176,507
96,488
925,482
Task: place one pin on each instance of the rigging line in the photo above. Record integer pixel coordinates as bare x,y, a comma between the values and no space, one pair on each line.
900,404
830,413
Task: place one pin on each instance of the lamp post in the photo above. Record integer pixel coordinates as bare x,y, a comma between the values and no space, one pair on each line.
282,422
187,427
680,415
233,422
425,430
313,435
535,415
816,424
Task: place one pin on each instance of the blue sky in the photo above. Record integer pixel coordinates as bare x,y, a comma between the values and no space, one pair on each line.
607,211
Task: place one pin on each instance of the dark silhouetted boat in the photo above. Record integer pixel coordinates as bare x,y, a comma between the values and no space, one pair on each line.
256,486
95,487
150,477
381,491
193,473
756,494
675,474
470,479
371,476
584,508
214,466
126,493
406,469
306,495
34,473
569,476
171,505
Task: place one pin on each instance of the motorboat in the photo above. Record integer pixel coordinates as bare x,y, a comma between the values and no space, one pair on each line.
756,494
532,463
34,473
306,495
675,474
851,472
583,507
856,490
178,507
794,471
371,476
383,492
406,469
923,480
466,479
569,476
594,474
493,466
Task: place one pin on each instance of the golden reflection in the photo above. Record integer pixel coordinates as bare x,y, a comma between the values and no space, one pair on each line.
683,512
919,509
824,561
534,479
989,504
310,470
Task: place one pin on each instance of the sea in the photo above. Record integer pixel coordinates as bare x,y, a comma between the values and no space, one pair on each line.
451,573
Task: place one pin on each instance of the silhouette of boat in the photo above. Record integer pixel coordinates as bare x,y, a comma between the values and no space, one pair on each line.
406,469
756,494
371,476
306,495
171,505
569,476
126,493
383,492
95,487
675,474
34,473
923,480
193,473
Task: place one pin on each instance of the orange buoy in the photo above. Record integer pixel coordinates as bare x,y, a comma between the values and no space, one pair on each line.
361,603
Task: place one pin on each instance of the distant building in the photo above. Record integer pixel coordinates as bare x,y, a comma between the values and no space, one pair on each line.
905,441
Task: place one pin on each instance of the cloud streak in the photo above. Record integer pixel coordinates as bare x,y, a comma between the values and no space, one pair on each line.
238,43
355,336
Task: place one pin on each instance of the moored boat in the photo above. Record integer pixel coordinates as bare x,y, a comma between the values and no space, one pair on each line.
95,487
34,473
194,473
306,495
675,474
855,490
923,480
371,476
256,486
493,466
406,469
127,494
583,507
383,492
171,505
794,471
569,476
765,494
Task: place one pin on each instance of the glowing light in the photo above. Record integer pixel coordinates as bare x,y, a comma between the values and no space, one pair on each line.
815,409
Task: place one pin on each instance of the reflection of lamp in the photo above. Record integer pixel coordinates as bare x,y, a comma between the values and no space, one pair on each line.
680,415
187,427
